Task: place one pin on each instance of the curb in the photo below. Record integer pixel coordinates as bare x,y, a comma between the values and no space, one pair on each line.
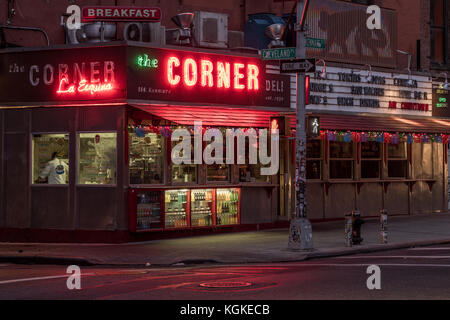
80,261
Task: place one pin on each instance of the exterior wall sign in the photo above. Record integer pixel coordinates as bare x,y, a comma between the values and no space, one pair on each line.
441,99
199,77
87,74
352,90
117,73
109,13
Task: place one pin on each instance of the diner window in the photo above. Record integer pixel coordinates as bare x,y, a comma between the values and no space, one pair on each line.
370,160
397,160
314,159
252,172
146,158
50,158
97,158
341,160
184,173
218,172
438,31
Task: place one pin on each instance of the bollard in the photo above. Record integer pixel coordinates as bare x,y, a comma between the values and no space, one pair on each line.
348,230
357,223
383,226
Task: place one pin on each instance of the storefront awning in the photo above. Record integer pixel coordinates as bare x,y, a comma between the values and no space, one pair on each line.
211,116
380,123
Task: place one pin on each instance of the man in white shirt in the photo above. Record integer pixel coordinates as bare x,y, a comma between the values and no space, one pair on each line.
56,171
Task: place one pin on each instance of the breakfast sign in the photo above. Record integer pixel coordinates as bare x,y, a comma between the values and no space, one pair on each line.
121,73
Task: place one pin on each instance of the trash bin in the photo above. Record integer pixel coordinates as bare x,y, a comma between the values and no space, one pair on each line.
348,230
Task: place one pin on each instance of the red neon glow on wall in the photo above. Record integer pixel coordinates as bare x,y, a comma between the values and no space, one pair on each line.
83,87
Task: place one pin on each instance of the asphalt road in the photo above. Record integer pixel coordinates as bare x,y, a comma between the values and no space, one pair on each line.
417,273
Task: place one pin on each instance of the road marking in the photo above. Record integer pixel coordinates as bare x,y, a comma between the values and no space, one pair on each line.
431,249
40,278
369,264
395,257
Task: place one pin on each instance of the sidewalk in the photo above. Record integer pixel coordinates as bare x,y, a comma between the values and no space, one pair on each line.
247,247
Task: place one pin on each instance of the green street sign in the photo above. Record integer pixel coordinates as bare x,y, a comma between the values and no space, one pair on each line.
315,43
278,53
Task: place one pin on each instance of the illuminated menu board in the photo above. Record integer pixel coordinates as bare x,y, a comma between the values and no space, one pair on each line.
355,90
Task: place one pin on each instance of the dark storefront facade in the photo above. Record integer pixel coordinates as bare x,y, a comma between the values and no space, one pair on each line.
108,113
381,147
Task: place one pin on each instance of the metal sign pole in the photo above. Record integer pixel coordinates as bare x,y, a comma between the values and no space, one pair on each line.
300,233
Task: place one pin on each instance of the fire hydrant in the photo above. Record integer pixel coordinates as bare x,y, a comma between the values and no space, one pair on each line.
356,226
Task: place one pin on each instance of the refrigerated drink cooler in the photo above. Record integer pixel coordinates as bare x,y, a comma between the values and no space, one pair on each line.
157,209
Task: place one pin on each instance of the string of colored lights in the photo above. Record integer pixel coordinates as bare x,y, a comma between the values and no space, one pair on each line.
330,135
382,137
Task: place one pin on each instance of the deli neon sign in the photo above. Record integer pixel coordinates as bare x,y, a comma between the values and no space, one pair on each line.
190,72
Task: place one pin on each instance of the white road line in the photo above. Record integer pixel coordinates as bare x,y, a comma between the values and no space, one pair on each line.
394,257
430,249
369,264
40,278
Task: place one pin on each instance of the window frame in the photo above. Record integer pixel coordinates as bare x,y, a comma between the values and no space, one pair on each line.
77,160
404,159
444,29
341,159
164,168
32,184
321,159
379,159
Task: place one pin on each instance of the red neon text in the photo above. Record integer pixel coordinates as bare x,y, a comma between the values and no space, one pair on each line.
190,73
83,86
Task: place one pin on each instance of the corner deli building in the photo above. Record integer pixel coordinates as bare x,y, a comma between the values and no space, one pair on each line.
108,112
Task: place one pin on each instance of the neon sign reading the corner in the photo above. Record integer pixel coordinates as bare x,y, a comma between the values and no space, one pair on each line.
222,74
83,87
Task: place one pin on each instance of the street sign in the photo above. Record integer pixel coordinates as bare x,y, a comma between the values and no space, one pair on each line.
315,43
298,66
278,53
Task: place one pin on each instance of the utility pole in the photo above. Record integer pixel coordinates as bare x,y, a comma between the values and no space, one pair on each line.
300,232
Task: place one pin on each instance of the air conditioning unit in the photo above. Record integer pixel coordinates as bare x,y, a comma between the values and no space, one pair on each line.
211,29
151,32
91,32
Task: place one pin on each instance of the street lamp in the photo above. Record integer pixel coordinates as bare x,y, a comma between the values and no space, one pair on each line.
323,75
410,81
184,23
369,74
446,85
275,32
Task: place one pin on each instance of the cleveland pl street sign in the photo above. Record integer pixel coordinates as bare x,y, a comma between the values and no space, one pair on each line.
278,53
298,65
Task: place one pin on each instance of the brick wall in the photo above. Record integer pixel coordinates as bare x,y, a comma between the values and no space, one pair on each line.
413,18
